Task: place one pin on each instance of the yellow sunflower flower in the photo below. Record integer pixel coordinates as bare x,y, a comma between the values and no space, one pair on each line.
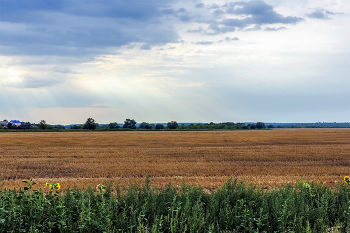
100,187
58,187
47,184
347,180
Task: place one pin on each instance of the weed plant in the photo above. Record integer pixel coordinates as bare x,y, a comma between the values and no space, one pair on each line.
235,207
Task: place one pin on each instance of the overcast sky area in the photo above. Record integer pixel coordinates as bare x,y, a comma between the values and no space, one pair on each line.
189,61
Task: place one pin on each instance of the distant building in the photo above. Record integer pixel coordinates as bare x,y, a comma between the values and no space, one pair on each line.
4,124
28,126
16,122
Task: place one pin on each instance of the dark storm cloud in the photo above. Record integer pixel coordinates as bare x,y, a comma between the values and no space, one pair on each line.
83,27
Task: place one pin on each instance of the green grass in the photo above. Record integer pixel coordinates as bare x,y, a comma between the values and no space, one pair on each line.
236,207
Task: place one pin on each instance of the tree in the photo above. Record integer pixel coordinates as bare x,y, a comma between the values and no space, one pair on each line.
172,125
260,125
159,126
59,127
42,124
75,127
129,124
113,125
145,125
244,127
251,126
90,124
270,126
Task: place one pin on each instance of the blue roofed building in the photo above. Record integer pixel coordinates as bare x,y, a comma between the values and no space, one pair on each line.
16,122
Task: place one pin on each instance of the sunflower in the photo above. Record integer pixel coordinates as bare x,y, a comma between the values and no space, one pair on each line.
50,187
100,187
47,184
347,180
58,187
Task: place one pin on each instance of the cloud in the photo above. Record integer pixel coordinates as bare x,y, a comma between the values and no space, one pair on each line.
248,14
146,47
63,70
36,82
75,28
199,5
204,42
255,28
274,29
318,15
257,12
330,13
334,13
199,30
81,28
216,28
231,39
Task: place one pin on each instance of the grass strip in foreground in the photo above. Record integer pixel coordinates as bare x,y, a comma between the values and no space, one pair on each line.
235,207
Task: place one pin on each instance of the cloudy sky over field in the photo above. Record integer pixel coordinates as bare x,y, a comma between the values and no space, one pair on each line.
161,60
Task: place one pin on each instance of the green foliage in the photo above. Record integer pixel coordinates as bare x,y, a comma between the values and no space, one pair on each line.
75,127
10,125
59,127
159,126
129,124
251,126
113,125
236,207
172,125
260,125
312,125
145,125
90,124
42,125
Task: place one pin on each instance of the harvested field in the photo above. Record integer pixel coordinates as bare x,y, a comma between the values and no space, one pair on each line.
209,158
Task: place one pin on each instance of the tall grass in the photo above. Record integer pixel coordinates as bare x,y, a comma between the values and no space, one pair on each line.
235,207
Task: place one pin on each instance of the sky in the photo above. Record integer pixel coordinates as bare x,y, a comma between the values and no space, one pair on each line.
64,61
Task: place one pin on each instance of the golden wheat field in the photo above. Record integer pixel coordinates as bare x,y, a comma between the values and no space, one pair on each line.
208,158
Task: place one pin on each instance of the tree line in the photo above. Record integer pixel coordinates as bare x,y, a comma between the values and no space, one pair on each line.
131,124
91,124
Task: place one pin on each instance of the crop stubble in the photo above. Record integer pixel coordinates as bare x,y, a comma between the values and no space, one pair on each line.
208,158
